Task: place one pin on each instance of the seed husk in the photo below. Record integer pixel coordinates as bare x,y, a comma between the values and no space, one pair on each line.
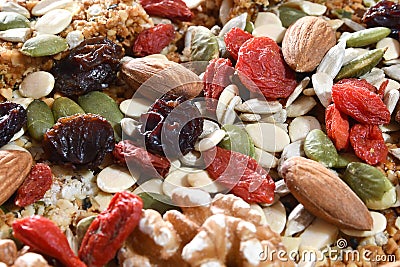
9,6
18,35
367,36
44,45
39,119
54,22
12,20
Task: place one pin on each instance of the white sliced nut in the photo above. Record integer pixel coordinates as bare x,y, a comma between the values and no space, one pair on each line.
223,101
309,92
275,32
333,60
375,76
268,136
189,197
175,165
115,179
192,159
351,53
335,23
281,188
134,107
31,259
297,91
175,179
54,21
265,159
392,85
44,6
201,180
301,126
312,9
18,134
74,38
397,223
210,141
249,117
102,200
158,56
391,99
393,48
152,186
301,106
298,220
257,208
9,6
259,106
193,3
353,25
37,84
323,83
208,128
267,18
19,35
379,225
393,72
318,235
130,127
292,244
224,11
276,217
230,115
292,150
278,117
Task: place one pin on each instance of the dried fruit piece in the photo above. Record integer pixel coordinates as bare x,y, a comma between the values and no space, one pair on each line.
153,40
172,9
384,13
35,185
261,67
337,127
12,118
241,174
81,140
234,40
319,147
353,97
368,143
110,228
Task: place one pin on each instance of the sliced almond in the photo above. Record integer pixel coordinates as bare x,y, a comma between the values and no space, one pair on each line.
297,91
115,179
201,180
266,18
323,83
301,126
44,6
208,128
265,159
134,107
175,179
257,208
332,62
223,101
298,220
248,117
230,115
278,117
210,141
258,106
379,225
54,21
393,72
391,99
275,32
152,186
276,217
318,235
393,48
37,84
301,106
268,137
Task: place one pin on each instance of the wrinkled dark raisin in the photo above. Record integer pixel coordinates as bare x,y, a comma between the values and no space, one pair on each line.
171,126
12,118
385,13
89,67
81,140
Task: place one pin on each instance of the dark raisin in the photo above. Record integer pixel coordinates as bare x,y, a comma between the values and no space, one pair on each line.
86,203
171,126
81,140
12,118
91,66
385,13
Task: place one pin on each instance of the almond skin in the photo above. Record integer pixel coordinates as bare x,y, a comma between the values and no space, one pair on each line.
14,167
325,195
306,42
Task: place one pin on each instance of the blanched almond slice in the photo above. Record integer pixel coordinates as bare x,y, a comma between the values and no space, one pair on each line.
226,96
18,134
379,225
175,179
318,235
297,91
276,217
230,114
278,117
323,83
134,107
54,21
268,136
208,128
44,6
210,141
248,117
115,179
257,208
37,84
298,220
259,106
201,180
192,159
152,186
102,200
301,126
393,48
301,106
266,18
275,32
265,159
390,99
292,244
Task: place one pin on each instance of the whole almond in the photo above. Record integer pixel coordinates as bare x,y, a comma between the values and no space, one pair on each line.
325,195
156,76
14,167
306,42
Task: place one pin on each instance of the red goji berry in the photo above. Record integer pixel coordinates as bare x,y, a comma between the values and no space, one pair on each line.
352,98
382,88
242,173
44,237
172,9
234,40
216,78
337,127
153,40
368,144
35,185
128,153
261,67
108,231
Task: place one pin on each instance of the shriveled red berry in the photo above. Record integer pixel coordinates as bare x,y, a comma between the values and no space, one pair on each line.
368,144
234,39
35,185
337,127
261,68
172,9
153,40
353,98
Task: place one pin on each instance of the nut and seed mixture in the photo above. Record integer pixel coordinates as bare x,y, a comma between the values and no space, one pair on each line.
199,133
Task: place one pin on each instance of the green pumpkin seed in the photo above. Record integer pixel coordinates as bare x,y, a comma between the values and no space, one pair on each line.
39,119
237,139
370,184
367,36
44,45
361,64
204,44
158,202
249,27
319,147
103,105
64,107
83,226
12,20
289,15
345,159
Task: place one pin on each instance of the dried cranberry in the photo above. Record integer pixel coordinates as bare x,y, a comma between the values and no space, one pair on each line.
385,13
81,140
171,126
153,40
12,118
89,67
